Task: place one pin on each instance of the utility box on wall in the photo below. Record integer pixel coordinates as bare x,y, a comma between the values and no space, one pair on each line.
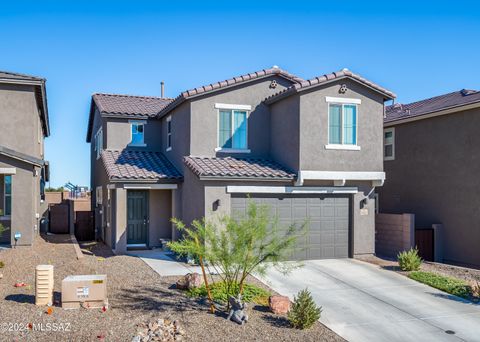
89,291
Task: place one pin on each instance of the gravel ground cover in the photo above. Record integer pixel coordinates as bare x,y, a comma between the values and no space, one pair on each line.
136,295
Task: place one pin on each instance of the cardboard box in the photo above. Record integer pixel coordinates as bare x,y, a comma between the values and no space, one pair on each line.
89,291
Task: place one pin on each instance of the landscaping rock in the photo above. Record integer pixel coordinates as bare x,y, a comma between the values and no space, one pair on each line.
189,281
1,275
162,330
279,305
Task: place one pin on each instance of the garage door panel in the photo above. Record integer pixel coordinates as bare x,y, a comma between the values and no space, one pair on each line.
327,234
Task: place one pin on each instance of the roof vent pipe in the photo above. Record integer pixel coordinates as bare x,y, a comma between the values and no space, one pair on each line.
162,85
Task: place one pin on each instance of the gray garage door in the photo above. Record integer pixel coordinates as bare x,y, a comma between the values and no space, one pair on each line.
328,229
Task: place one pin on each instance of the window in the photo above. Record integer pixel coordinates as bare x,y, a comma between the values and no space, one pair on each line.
389,144
232,129
99,142
169,133
7,195
342,125
137,133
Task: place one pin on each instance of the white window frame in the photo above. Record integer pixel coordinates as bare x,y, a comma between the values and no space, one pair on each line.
98,195
232,108
392,142
137,122
5,195
169,134
99,142
343,102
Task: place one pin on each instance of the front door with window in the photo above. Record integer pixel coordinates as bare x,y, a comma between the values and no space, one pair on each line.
137,218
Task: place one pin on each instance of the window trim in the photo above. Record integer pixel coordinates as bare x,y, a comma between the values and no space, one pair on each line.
99,137
137,122
343,146
5,195
232,108
386,130
169,133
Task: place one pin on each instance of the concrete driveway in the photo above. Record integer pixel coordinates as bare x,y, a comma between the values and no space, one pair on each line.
362,302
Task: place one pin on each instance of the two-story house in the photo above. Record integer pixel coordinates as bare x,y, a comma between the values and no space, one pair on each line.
23,170
432,162
310,149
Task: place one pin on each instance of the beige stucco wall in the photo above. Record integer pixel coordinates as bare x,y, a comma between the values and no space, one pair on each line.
25,202
160,210
20,118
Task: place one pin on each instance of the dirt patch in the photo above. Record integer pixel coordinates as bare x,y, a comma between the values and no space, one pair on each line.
136,294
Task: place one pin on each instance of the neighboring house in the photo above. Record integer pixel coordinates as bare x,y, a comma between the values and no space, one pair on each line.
23,170
432,162
308,148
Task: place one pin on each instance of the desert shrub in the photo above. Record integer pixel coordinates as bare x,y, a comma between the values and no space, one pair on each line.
409,260
235,247
220,293
454,286
2,264
304,312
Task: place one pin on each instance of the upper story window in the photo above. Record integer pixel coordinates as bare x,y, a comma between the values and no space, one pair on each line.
7,196
99,142
137,133
169,133
342,123
389,143
233,128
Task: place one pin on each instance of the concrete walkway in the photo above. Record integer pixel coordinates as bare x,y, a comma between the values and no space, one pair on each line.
163,262
362,302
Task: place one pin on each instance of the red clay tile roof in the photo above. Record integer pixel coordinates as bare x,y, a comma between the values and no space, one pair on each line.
307,84
125,105
460,98
138,165
129,105
228,83
229,167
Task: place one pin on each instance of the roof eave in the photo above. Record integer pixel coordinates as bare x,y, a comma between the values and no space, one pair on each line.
258,179
294,90
182,98
427,115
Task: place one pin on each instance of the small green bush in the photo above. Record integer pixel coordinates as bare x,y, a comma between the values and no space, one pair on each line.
251,293
450,285
409,260
2,264
304,312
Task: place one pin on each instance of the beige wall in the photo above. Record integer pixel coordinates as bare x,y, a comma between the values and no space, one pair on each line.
395,233
25,203
204,117
160,210
314,130
20,118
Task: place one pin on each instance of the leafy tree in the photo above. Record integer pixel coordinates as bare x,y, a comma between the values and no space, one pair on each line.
236,247
304,312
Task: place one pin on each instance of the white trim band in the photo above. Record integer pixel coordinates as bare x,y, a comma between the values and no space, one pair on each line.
232,106
245,189
8,170
340,177
342,100
150,186
342,147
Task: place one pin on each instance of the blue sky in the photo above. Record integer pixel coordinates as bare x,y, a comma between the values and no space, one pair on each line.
416,49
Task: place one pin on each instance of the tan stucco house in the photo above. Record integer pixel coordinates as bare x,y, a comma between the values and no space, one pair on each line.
308,148
23,170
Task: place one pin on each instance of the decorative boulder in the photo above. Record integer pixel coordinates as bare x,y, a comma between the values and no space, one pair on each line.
279,305
189,281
